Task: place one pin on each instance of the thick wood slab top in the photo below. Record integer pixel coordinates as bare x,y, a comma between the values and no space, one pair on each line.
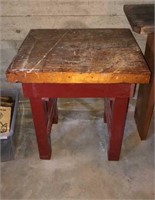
79,56
141,17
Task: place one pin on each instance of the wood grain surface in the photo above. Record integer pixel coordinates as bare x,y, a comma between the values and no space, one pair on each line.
79,56
141,17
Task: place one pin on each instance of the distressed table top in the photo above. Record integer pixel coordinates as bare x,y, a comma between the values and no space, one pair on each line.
79,56
141,17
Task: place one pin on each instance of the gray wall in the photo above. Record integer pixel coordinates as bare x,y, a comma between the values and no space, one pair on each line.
17,17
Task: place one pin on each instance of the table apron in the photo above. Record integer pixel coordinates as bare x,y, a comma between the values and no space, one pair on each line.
39,90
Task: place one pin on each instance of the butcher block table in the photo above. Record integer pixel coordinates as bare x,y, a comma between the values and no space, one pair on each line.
141,19
78,63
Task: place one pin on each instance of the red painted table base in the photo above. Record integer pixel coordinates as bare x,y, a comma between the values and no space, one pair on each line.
43,99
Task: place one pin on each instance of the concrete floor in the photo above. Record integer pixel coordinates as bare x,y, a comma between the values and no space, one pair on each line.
79,168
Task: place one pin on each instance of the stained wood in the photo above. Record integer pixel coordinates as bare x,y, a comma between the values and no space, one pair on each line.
145,100
79,56
141,17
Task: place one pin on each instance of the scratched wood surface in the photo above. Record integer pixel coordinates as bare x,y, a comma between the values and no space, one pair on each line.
141,17
79,56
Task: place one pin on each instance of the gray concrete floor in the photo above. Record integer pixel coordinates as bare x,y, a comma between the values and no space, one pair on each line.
79,168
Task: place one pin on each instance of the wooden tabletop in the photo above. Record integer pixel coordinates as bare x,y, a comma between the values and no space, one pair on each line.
141,17
79,56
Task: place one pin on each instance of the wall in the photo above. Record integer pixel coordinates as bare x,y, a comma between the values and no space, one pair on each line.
17,17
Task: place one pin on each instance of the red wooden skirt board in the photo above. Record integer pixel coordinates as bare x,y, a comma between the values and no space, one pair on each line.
43,100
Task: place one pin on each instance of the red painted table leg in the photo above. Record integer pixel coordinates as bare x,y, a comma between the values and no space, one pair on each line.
55,117
108,108
40,122
116,123
52,110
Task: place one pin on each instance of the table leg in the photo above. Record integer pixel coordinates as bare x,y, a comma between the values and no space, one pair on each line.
115,116
52,110
108,109
145,99
40,119
55,117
